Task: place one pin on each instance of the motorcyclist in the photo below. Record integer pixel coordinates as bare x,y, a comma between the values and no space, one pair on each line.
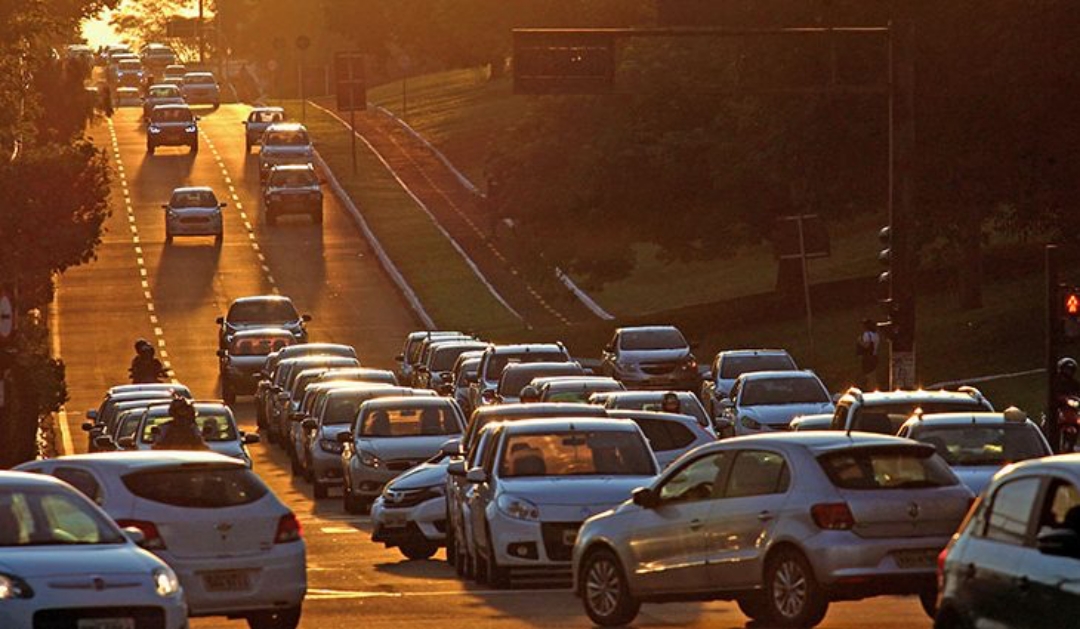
1064,386
529,395
181,432
145,367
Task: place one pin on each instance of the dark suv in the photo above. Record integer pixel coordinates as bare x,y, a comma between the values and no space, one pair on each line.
293,189
261,311
1015,561
172,125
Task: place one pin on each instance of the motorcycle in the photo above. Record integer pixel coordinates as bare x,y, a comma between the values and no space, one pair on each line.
1068,419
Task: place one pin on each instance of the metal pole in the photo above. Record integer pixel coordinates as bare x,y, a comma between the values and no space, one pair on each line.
806,287
352,127
1052,297
300,78
199,33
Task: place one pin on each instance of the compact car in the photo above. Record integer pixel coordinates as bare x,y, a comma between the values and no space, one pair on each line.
194,211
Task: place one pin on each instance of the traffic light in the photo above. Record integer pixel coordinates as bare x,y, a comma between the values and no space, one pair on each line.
1070,312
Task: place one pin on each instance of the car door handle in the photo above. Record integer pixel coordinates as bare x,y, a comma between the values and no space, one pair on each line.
695,525
765,516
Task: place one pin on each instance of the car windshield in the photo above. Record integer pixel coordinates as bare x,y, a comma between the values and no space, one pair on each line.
498,362
193,198
418,421
287,138
468,373
130,64
266,116
664,338
342,410
576,453
578,393
198,79
214,427
293,178
203,487
268,311
732,367
52,518
890,467
772,391
164,92
514,380
172,114
984,445
872,417
259,345
688,404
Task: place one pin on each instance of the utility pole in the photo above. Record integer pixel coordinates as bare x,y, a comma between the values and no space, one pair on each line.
1053,290
199,33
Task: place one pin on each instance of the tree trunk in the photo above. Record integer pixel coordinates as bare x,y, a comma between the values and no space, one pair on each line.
969,273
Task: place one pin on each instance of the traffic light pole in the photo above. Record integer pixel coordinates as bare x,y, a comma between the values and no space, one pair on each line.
1053,293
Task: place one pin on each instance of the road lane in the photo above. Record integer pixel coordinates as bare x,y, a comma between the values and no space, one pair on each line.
330,272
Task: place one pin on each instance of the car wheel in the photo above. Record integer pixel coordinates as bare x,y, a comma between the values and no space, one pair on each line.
294,465
451,544
754,606
950,618
928,600
604,591
322,491
150,148
217,239
792,594
288,618
352,503
497,576
419,549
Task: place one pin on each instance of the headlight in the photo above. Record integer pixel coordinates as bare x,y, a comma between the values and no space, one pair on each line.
518,508
330,445
165,582
14,587
190,129
153,129
749,422
369,459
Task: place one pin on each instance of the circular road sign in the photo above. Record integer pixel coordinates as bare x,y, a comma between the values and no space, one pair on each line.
303,42
7,317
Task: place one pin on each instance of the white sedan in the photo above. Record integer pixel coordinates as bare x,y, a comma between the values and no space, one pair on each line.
65,563
235,546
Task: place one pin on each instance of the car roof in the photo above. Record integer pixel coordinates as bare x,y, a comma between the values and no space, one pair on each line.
203,405
774,375
346,387
965,419
525,348
260,298
919,395
292,167
286,126
822,441
543,366
133,460
15,479
647,328
1069,463
199,73
577,381
144,394
259,332
150,386
310,349
733,353
420,334
395,401
565,424
640,394
358,371
272,110
167,106
193,189
541,409
155,86
319,360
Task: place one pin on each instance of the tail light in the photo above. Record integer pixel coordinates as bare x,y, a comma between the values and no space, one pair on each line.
941,567
152,539
288,529
833,516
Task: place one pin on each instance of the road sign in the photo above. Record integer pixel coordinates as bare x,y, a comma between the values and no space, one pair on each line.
350,81
814,235
7,317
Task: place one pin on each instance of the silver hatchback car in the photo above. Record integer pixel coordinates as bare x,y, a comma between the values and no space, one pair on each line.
194,211
781,523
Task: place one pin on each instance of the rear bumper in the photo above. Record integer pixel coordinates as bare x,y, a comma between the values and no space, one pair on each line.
853,567
278,579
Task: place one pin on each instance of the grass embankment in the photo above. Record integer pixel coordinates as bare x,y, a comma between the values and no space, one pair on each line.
449,290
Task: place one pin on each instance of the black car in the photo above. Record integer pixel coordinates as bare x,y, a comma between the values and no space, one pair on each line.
1016,559
293,189
261,311
172,125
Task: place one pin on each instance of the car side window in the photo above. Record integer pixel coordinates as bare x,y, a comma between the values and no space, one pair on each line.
839,420
1010,511
1061,508
488,460
735,390
757,473
697,480
82,480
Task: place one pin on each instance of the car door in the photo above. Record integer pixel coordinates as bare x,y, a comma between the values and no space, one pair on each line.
1054,580
669,539
993,560
744,517
480,495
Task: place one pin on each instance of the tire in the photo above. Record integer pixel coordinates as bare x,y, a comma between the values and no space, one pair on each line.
351,502
462,561
168,238
294,465
604,591
928,600
754,606
451,544
497,576
317,217
288,618
194,147
419,549
322,491
150,148
792,594
228,394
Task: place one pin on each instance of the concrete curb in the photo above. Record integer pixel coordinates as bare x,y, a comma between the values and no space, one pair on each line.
454,243
380,253
581,295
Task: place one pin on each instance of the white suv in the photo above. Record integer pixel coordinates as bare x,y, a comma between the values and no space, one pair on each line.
885,411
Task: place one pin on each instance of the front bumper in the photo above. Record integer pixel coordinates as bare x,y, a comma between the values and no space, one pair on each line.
529,544
173,138
277,579
67,606
325,466
393,526
206,227
368,482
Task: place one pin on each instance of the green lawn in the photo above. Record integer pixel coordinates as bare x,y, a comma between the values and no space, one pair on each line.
452,294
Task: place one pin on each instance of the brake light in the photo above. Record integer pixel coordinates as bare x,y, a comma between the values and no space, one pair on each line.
288,529
152,539
941,567
833,516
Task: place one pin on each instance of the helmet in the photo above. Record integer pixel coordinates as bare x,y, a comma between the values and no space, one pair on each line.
669,403
181,408
1066,364
140,344
530,394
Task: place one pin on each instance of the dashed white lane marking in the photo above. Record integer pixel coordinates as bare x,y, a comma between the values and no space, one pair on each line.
248,227
140,261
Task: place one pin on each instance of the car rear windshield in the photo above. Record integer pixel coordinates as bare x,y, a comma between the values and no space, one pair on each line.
410,422
293,178
732,367
576,453
892,467
213,427
164,92
287,138
445,357
266,116
199,79
341,410
52,518
193,198
634,340
197,487
172,114
259,345
984,445
688,404
514,380
773,391
271,311
498,362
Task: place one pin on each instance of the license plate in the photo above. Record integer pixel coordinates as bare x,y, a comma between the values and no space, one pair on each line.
105,623
226,581
569,536
923,558
394,520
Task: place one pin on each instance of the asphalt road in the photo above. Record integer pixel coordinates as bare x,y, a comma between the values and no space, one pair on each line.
171,296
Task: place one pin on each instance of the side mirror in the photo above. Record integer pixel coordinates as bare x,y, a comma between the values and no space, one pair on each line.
92,414
164,206
126,442
306,318
88,426
476,475
221,353
451,448
223,205
1059,543
251,437
309,424
644,498
400,358
456,468
220,320
136,536
344,437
